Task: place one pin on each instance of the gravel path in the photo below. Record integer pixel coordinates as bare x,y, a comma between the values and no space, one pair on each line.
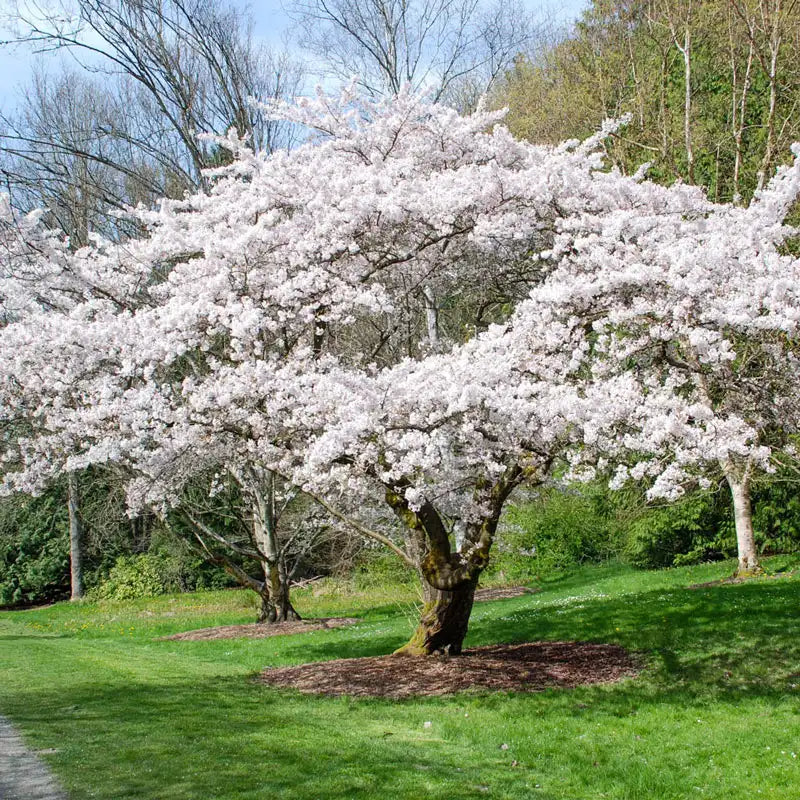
23,776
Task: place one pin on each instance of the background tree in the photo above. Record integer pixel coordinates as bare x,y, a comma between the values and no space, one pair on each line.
125,126
711,87
85,147
254,517
453,48
711,358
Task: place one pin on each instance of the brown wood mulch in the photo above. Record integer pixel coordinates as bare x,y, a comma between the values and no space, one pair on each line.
736,579
258,630
525,667
503,593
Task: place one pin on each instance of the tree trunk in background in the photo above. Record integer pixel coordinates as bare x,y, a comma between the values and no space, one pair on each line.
743,518
75,538
739,115
772,74
275,603
431,317
685,49
443,622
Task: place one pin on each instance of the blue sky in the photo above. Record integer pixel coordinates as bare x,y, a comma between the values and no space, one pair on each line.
271,23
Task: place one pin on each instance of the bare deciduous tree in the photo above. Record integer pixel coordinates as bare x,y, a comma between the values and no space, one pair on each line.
454,48
124,126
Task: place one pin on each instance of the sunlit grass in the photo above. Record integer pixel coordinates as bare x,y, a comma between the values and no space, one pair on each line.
714,714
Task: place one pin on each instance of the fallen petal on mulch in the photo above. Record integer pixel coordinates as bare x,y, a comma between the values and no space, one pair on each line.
526,667
260,630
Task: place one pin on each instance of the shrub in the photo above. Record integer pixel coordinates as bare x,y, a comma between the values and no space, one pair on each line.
34,549
166,568
777,517
556,529
698,527
133,577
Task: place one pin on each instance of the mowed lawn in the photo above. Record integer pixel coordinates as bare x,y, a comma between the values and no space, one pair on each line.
715,714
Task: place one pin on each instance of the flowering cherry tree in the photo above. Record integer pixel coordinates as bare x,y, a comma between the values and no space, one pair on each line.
699,305
40,276
339,315
303,288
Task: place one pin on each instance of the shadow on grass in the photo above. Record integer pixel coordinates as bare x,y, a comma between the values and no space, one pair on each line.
126,734
232,738
732,639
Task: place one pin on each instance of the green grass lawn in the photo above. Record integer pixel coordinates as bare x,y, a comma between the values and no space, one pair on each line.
716,713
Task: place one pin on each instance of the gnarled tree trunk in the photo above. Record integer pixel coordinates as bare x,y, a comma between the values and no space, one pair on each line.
449,578
443,622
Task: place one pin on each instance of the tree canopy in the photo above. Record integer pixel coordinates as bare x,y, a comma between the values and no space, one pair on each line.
280,323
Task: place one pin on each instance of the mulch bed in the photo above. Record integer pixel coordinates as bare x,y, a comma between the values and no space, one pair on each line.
502,594
257,630
720,582
526,667
261,631
734,579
